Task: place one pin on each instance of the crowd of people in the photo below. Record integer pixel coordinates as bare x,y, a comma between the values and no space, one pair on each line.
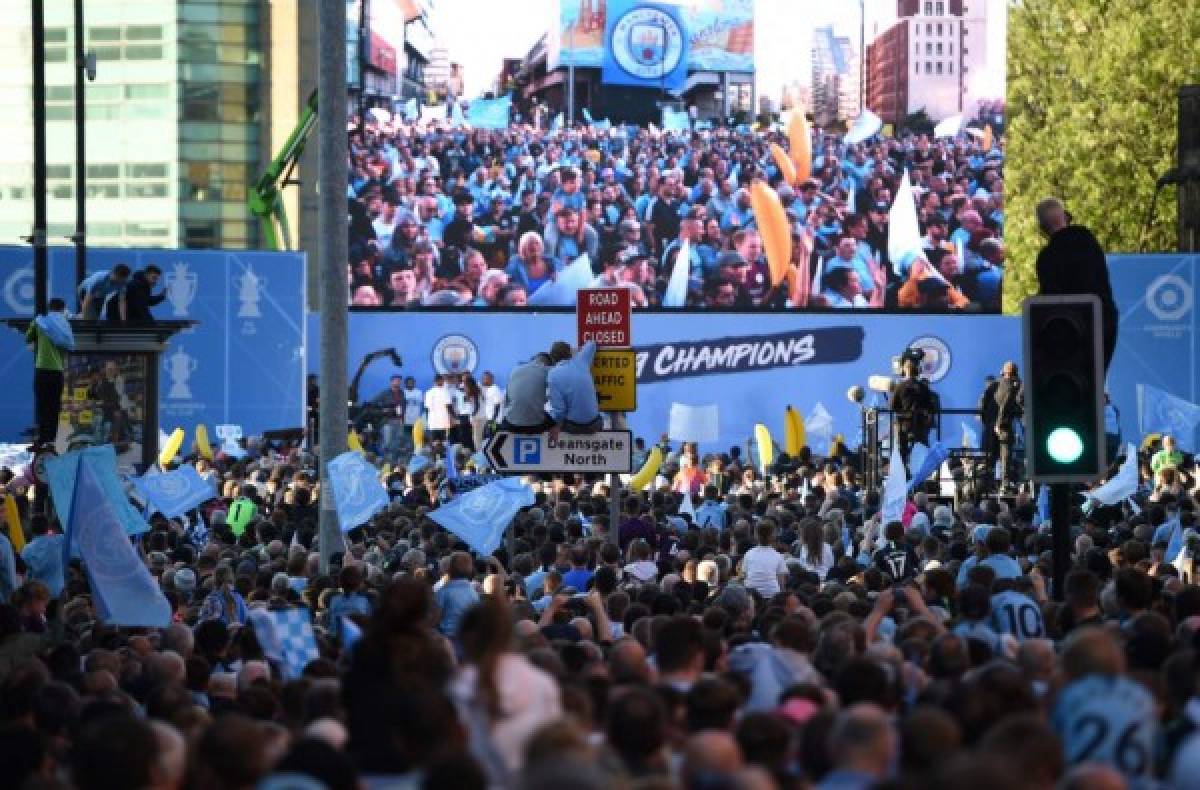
446,216
736,627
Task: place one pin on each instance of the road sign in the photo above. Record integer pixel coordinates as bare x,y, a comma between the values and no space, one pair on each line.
604,315
614,371
604,451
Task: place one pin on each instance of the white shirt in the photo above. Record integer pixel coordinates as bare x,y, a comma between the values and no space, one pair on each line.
414,399
493,402
761,567
437,399
820,568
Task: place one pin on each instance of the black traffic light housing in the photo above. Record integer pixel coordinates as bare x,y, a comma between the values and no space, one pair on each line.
1064,389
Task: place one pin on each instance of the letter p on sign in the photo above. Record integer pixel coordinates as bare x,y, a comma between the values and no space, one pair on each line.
528,451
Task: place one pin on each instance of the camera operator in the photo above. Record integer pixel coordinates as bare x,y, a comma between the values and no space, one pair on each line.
913,404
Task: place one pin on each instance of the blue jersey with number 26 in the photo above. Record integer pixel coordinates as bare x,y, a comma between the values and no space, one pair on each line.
1018,615
1107,720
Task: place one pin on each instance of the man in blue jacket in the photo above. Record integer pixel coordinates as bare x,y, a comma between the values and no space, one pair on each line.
572,393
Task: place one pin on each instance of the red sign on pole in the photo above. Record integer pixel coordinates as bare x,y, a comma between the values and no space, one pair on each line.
603,315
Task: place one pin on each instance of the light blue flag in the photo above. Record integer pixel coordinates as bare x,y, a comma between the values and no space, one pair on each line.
58,329
1043,505
1123,484
123,590
602,126
417,463
452,462
587,115
1162,412
675,120
557,123
480,517
932,461
411,110
489,113
286,637
564,291
60,476
895,489
866,126
456,114
176,492
357,492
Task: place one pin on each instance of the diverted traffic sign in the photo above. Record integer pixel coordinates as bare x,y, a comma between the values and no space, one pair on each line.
518,453
603,315
614,372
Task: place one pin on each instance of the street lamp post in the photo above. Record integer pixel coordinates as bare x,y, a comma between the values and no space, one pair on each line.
85,67
38,238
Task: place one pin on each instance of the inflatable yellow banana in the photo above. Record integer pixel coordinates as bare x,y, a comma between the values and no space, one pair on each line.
16,534
202,445
791,439
774,228
353,442
801,142
786,168
419,433
649,469
167,453
796,420
766,449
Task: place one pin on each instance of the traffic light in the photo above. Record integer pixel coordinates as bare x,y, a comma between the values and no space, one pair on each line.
1064,389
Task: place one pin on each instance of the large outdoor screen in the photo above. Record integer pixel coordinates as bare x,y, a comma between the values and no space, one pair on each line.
880,135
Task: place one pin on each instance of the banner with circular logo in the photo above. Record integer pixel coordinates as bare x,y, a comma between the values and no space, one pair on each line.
646,44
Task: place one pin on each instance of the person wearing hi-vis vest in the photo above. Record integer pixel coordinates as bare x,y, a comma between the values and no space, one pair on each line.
52,338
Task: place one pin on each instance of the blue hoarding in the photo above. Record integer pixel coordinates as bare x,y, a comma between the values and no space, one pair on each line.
242,364
1156,342
752,366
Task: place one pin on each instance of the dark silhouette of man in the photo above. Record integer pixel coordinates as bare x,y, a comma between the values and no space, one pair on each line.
1073,263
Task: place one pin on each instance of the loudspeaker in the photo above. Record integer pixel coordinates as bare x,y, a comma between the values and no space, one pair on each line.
1189,169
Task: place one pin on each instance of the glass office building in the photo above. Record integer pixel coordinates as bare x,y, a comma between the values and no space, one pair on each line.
173,121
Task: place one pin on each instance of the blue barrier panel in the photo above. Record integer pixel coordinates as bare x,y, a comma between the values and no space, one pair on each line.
1156,344
242,364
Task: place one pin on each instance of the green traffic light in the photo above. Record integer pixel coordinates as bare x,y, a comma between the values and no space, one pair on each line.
1064,445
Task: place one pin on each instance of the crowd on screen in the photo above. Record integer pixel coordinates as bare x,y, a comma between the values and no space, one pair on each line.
485,218
735,627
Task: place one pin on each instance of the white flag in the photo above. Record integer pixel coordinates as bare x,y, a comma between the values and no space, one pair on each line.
677,286
865,127
818,427
949,127
693,423
904,233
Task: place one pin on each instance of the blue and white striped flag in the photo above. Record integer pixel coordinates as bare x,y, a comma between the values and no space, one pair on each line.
286,637
357,492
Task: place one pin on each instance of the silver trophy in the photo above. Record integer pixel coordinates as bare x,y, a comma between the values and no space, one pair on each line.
180,367
249,287
229,436
181,289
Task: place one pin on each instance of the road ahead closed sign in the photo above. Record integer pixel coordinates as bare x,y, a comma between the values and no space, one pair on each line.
605,451
604,315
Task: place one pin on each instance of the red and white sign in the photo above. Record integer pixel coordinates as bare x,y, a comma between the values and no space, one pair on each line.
604,315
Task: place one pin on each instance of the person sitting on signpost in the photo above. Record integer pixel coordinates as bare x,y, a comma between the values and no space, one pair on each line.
573,406
525,398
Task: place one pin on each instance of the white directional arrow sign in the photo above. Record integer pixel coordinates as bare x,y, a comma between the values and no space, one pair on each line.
605,451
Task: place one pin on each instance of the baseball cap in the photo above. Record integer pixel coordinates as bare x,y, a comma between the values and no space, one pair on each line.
731,258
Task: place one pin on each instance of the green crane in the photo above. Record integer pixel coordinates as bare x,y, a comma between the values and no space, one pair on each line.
266,195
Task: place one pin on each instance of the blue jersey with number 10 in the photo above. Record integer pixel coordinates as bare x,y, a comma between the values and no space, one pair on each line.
1018,615
1108,720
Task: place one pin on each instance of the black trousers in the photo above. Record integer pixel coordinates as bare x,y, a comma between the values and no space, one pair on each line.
47,403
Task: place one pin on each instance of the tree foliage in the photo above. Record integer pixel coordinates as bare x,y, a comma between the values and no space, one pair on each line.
1093,116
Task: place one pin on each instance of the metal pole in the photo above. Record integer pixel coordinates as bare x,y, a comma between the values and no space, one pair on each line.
38,239
332,255
571,81
1060,517
617,423
80,237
